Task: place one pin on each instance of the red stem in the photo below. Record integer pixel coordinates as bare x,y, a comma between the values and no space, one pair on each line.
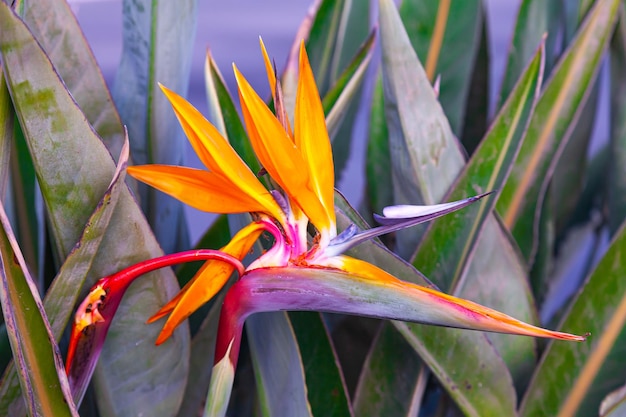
125,276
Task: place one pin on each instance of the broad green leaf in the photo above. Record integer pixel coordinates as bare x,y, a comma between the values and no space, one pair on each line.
158,43
447,245
72,187
446,37
556,113
535,20
617,186
54,25
493,255
388,385
424,152
498,281
63,294
278,367
19,194
38,360
573,378
569,174
25,194
473,374
66,287
326,390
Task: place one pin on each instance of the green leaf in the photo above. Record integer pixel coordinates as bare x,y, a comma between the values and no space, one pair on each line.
424,152
39,364
535,20
73,276
388,385
326,390
278,366
557,111
158,44
22,179
446,246
569,174
72,187
25,195
573,378
54,25
617,185
446,35
435,155
474,374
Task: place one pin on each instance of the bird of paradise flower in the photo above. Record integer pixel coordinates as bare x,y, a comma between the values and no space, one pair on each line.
298,272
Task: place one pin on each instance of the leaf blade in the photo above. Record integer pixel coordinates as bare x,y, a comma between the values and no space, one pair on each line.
42,378
549,130
72,188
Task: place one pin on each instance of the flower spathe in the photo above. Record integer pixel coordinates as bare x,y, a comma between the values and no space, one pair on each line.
297,272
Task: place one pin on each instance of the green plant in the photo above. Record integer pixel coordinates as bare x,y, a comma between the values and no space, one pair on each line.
59,128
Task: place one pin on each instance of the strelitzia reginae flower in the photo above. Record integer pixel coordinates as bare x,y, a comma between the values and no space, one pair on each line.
298,272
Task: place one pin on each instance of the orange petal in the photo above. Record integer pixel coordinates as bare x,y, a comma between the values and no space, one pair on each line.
206,191
269,68
313,141
277,153
217,154
279,104
207,282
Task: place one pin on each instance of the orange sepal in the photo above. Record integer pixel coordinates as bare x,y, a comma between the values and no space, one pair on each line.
217,154
204,190
313,142
277,152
